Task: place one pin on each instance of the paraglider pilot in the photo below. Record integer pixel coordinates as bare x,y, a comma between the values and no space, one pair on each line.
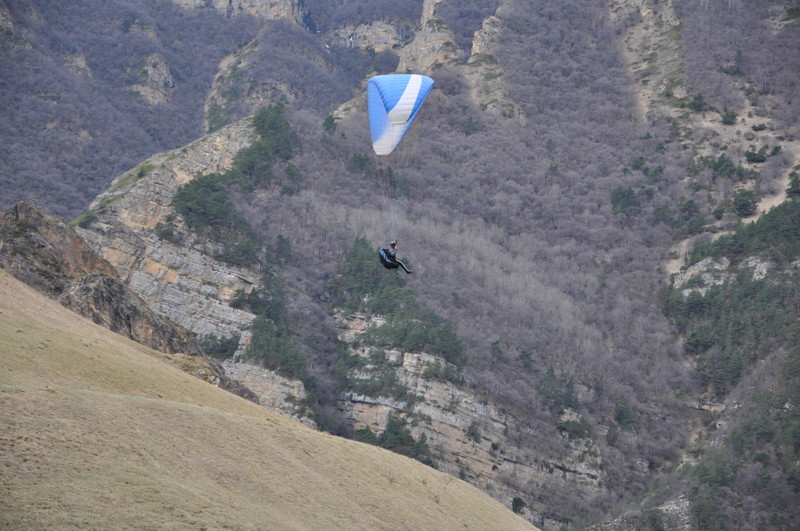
389,258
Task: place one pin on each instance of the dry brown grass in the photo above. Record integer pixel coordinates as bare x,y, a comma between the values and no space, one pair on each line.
99,432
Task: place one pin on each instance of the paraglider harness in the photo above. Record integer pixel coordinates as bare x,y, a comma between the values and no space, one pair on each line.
389,259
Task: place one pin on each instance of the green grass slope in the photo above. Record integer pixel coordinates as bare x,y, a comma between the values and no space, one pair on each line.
98,432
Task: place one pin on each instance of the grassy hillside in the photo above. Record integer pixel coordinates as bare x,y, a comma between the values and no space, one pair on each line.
99,432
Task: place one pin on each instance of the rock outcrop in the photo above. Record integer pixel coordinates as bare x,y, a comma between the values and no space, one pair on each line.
434,43
154,81
378,35
486,76
271,390
47,254
468,436
260,93
178,280
709,272
76,63
10,35
44,252
271,9
107,302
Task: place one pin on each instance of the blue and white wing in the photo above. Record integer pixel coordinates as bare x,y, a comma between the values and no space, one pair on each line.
393,102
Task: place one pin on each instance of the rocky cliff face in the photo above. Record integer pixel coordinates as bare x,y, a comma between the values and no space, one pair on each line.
271,9
468,436
107,302
11,36
182,281
379,35
47,254
433,43
271,390
179,281
260,93
419,49
154,79
44,252
485,75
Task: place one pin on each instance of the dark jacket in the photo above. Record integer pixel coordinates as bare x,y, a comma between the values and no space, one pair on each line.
388,258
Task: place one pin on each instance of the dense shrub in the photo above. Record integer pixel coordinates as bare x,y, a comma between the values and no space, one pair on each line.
773,233
273,347
205,204
723,166
360,276
397,438
559,390
518,505
576,429
623,200
417,329
277,138
220,348
745,203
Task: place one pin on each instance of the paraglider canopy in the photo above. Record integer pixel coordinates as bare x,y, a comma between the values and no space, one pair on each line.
393,101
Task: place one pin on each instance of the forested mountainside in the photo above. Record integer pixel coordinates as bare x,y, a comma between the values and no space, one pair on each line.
566,151
73,113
